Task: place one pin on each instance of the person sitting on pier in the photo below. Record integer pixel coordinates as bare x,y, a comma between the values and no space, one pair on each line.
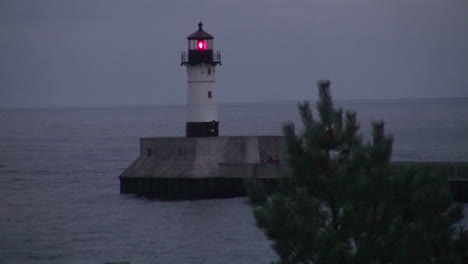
271,160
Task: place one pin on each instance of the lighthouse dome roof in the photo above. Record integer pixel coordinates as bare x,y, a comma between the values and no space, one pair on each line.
200,33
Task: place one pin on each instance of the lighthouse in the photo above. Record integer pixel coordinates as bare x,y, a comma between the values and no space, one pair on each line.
201,61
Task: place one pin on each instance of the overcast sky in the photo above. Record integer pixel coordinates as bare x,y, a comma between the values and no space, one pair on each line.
127,52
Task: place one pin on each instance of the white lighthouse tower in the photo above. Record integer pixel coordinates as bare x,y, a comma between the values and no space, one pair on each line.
201,61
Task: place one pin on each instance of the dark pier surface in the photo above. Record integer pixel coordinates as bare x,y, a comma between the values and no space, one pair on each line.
230,185
177,168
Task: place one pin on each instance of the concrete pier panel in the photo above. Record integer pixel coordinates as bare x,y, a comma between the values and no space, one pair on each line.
218,167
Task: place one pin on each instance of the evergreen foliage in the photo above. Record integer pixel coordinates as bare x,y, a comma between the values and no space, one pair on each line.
342,203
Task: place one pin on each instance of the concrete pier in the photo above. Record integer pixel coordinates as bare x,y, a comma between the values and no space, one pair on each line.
218,167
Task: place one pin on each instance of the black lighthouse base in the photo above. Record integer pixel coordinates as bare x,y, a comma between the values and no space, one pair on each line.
202,129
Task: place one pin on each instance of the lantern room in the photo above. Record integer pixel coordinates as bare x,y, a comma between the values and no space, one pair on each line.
200,49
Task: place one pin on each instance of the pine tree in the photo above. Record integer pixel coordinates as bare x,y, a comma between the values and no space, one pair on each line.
342,203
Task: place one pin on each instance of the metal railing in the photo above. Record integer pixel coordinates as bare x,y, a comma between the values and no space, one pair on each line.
185,58
217,57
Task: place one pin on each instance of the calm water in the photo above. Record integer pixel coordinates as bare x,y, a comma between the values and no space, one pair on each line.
60,200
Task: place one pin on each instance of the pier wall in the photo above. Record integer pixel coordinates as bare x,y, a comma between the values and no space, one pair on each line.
218,167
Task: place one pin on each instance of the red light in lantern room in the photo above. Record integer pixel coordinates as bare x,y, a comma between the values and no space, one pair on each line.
201,45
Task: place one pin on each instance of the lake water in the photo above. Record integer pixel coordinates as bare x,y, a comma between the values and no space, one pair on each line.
59,187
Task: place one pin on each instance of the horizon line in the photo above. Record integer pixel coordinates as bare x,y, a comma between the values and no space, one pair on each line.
110,106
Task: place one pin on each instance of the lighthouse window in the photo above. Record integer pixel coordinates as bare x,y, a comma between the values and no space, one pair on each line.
150,151
209,71
209,94
201,45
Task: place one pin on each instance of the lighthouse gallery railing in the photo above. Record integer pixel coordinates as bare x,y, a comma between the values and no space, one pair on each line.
185,59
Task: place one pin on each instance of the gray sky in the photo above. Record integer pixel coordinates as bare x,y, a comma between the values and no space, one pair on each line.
122,52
